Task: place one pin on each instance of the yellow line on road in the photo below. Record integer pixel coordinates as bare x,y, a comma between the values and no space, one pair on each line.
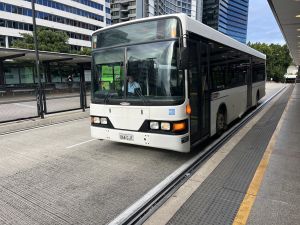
246,206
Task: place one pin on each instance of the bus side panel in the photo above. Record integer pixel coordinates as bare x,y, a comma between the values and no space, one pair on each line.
240,101
235,100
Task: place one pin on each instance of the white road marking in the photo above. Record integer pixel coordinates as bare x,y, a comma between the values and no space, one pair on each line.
81,143
29,106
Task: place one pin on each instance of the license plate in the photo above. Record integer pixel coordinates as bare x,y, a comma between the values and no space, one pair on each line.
126,137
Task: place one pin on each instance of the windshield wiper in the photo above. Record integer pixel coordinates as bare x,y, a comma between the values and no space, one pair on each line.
107,96
138,91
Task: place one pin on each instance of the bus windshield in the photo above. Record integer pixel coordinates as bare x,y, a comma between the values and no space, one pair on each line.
152,75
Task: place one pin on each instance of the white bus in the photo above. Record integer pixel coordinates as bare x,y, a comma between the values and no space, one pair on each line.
170,82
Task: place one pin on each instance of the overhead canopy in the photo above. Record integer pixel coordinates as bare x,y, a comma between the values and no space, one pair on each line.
287,14
29,55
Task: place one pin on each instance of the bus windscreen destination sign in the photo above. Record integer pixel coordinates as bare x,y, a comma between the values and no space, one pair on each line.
137,33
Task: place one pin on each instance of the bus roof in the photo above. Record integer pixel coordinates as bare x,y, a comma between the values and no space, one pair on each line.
205,31
195,26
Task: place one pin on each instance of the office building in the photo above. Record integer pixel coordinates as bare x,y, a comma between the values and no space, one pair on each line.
192,8
125,10
228,16
78,18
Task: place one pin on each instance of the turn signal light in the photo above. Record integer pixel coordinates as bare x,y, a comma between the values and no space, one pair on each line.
188,109
179,126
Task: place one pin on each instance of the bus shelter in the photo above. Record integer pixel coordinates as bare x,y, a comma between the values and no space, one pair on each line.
65,83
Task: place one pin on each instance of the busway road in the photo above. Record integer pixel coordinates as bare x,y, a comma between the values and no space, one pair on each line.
59,175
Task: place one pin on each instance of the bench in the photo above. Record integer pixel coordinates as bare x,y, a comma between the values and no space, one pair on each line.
48,89
22,91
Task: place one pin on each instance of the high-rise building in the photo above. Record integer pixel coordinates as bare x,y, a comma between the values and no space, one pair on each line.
124,10
78,18
174,6
228,16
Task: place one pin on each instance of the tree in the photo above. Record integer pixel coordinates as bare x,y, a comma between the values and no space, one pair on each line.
85,51
49,40
278,59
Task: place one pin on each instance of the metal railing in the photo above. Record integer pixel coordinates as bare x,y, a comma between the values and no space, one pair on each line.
18,102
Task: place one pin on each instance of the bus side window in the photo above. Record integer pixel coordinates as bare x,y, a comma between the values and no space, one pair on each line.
218,58
258,69
229,67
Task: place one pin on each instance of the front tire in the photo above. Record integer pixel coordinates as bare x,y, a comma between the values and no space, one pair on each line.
221,123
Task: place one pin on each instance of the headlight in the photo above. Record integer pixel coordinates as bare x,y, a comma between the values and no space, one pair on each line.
165,126
96,120
104,121
154,125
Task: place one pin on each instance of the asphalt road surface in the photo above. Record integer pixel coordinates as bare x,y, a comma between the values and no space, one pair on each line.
60,175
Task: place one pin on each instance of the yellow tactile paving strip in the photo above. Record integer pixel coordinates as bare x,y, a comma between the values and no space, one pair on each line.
249,199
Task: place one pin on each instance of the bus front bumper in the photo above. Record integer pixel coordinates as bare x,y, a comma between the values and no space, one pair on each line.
179,143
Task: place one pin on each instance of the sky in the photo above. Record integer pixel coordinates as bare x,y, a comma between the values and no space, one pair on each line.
262,26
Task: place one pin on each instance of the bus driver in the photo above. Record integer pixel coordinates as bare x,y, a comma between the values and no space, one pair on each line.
132,85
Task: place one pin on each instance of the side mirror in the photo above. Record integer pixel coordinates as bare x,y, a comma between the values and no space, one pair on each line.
183,58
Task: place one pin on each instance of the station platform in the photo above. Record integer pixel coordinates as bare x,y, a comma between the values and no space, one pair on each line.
253,179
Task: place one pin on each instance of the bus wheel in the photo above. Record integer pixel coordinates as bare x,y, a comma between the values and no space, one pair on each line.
257,99
221,122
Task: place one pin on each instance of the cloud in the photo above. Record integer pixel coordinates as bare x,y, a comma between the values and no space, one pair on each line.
262,26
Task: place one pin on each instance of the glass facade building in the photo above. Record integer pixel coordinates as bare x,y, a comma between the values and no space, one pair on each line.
174,6
228,16
124,10
78,18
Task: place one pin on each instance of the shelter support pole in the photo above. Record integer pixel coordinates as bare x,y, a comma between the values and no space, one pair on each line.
1,73
37,63
82,87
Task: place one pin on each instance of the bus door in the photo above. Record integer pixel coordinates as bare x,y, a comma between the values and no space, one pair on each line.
198,90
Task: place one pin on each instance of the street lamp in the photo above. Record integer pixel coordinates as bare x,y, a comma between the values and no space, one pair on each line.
37,63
